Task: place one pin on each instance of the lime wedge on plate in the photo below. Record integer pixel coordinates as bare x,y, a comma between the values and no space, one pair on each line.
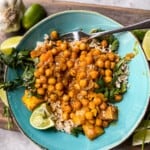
7,46
3,97
146,44
41,117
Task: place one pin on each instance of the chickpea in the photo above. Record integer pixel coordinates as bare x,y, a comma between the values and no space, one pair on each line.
70,63
89,60
53,97
89,115
77,86
74,55
75,48
67,109
76,105
83,46
103,106
84,93
65,97
104,43
48,72
100,63
103,57
84,102
108,72
112,65
63,46
40,91
97,101
54,35
83,83
107,64
37,85
59,86
37,74
72,72
102,72
71,93
58,43
37,81
96,52
51,88
52,80
107,79
91,105
43,79
82,63
66,53
94,74
59,93
81,75
111,56
118,97
44,86
41,70
54,51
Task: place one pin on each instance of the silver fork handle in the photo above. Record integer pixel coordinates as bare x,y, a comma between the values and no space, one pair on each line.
141,25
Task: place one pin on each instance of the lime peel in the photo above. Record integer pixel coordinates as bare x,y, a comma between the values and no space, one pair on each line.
3,96
146,44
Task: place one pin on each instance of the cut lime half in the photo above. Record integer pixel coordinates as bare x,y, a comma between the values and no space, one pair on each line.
3,96
41,117
146,44
7,46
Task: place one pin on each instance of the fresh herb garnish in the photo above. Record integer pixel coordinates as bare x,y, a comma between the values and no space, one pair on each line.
76,131
6,114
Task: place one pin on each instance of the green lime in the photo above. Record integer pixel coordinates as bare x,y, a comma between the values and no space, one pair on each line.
146,44
140,136
3,97
33,15
7,46
41,117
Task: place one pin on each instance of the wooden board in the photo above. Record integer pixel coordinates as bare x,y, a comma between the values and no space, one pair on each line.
123,15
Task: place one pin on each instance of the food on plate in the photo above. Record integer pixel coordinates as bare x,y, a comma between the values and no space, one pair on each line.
41,117
79,81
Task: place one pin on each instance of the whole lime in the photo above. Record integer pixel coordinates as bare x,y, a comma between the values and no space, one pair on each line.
33,15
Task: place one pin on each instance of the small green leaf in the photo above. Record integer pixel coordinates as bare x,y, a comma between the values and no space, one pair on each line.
115,45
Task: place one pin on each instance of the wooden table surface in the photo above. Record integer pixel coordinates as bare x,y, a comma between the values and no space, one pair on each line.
123,15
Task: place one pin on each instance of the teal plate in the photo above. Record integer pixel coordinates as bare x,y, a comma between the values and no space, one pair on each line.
131,109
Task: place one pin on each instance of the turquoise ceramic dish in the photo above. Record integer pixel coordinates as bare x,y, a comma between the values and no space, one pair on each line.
131,109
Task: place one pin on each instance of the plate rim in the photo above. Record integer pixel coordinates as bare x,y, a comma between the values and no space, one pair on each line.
113,145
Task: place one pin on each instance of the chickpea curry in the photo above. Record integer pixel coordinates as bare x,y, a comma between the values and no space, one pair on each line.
82,79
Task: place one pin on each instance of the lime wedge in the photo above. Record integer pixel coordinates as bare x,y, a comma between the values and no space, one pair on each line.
146,44
7,46
139,136
41,117
3,97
